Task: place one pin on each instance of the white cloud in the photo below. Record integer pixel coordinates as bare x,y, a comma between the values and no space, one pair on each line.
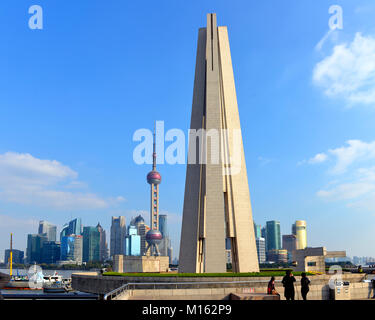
355,151
349,72
354,171
319,158
27,180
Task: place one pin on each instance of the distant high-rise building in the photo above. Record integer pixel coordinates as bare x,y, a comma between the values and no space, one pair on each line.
64,231
273,235
299,230
71,248
163,227
257,230
170,253
290,244
91,244
277,255
17,255
75,227
165,243
263,233
103,243
50,252
48,229
132,242
261,249
78,249
118,233
67,248
34,247
142,231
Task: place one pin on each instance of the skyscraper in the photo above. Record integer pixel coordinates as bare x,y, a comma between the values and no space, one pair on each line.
17,256
273,235
75,226
217,200
261,249
48,229
132,242
299,230
257,230
64,231
163,227
91,244
142,230
290,244
34,247
103,247
67,248
165,244
118,233
50,252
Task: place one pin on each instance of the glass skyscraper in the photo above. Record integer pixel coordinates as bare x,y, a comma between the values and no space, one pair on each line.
48,229
132,242
67,248
261,249
118,233
50,252
257,230
75,227
34,247
91,244
163,225
273,240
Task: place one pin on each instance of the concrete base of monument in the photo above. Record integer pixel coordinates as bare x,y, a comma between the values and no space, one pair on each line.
130,264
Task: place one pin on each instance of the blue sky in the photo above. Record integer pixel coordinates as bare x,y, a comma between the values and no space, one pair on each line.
73,94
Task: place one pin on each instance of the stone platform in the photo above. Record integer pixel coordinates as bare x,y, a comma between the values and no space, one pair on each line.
124,263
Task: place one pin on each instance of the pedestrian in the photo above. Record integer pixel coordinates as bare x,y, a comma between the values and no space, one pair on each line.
373,286
271,287
288,283
304,285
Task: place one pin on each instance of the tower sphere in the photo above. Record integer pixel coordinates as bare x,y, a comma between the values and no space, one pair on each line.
154,237
154,177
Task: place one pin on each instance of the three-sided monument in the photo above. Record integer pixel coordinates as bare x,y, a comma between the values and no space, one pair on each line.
217,211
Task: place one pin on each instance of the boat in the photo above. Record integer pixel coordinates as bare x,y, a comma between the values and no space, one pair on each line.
54,284
54,288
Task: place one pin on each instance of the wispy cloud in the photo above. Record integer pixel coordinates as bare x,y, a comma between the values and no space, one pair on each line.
331,33
349,72
264,161
27,180
352,165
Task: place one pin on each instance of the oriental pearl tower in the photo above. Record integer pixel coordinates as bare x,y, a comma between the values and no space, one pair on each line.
154,236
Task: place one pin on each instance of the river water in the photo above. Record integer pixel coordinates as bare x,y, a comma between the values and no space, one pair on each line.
64,273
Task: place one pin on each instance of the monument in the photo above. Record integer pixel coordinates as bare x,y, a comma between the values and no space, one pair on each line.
217,212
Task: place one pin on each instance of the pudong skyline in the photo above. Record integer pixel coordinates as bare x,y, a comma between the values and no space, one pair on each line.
67,151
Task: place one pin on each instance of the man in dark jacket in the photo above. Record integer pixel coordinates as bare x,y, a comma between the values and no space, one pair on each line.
288,283
373,286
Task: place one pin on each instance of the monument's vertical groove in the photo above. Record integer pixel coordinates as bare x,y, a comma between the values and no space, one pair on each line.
217,200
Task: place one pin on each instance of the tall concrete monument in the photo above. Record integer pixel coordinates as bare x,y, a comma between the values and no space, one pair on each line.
217,211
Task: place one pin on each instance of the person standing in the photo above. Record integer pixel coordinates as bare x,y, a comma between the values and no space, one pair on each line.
288,283
373,286
305,282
